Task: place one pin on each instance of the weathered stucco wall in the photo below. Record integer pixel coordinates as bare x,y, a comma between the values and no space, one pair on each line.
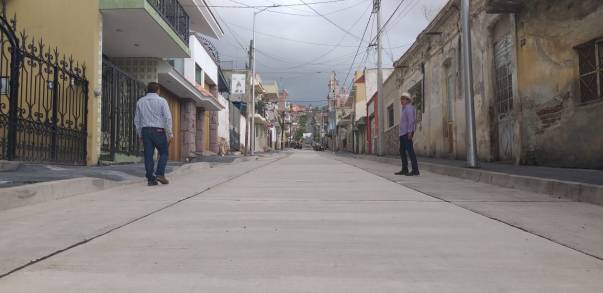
559,129
434,61
392,98
549,124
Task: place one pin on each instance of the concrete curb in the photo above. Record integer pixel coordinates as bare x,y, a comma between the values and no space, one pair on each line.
9,165
244,159
192,167
576,191
19,196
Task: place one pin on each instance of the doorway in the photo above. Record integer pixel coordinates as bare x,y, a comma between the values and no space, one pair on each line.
503,96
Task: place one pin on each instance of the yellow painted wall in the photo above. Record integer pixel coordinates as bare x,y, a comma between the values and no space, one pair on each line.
75,28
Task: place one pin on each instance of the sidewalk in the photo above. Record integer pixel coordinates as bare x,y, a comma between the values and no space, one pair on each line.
33,232
569,223
565,174
37,173
36,183
575,184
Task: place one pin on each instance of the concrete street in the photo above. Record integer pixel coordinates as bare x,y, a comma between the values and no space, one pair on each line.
304,222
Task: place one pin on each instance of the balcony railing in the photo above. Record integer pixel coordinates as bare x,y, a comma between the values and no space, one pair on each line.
210,48
175,15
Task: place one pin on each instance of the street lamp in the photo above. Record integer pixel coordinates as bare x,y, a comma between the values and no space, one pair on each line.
252,128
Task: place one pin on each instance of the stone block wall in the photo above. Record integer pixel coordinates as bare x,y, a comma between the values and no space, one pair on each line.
200,137
392,141
188,113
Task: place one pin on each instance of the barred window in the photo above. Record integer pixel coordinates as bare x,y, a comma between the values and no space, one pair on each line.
504,74
590,63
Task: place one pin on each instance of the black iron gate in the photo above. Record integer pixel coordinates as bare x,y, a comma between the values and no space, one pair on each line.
120,93
43,100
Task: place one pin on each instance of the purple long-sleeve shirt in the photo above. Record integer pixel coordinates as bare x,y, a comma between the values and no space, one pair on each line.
408,117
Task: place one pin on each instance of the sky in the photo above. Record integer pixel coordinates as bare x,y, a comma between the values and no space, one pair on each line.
299,46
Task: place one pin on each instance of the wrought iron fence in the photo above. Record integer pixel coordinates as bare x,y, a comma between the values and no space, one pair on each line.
43,100
175,15
120,93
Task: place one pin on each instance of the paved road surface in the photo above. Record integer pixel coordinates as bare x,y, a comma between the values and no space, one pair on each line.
308,223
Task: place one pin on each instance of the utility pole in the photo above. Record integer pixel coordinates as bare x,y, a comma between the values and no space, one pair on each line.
380,93
354,115
249,113
468,84
255,13
252,143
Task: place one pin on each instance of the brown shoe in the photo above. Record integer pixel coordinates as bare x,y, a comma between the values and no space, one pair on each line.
163,180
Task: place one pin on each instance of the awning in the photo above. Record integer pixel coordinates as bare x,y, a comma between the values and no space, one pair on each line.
177,84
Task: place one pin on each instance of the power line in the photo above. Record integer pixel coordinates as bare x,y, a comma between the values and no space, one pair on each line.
380,30
292,8
234,35
411,5
365,59
323,62
269,6
358,49
346,8
297,9
314,61
327,19
273,11
334,47
289,39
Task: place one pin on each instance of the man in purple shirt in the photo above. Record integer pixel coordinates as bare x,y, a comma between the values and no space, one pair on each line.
408,116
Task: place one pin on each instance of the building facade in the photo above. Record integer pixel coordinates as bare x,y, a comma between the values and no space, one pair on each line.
538,97
108,58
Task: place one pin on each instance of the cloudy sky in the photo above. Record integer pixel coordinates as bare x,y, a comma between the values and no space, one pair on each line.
299,46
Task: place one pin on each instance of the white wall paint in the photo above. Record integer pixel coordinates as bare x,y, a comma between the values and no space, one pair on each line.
201,57
243,130
224,119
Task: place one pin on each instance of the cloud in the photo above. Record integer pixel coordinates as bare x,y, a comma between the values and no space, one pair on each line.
298,48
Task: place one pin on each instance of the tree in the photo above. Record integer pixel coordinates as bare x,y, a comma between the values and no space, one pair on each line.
299,133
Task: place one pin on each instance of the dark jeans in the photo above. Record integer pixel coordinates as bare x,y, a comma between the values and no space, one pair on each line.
154,138
406,146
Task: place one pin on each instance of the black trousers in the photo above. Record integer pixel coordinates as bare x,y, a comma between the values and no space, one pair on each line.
406,146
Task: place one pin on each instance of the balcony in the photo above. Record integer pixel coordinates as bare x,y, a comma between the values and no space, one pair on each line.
145,28
170,76
202,18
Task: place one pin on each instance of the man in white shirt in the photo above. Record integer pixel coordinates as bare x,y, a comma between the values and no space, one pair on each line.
153,122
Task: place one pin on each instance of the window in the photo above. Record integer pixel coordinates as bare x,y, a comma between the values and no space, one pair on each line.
416,91
450,92
503,74
590,62
198,75
390,115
